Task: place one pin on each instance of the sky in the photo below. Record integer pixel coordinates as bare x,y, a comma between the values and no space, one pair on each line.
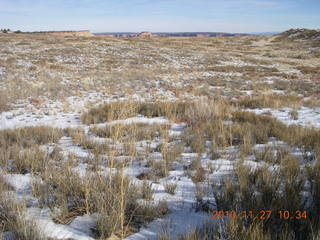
160,15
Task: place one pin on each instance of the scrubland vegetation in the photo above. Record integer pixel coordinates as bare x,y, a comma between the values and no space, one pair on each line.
107,138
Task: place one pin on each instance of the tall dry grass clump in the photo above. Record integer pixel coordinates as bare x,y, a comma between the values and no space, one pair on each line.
3,101
29,136
113,197
263,189
19,148
12,218
175,111
270,101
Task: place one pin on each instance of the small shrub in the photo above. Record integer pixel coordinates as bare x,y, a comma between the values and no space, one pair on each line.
170,188
270,101
199,176
123,110
31,160
294,114
29,136
12,218
146,190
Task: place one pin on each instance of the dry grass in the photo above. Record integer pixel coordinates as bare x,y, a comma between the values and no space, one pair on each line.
19,148
270,101
3,101
146,190
147,65
12,218
135,131
126,109
208,71
260,189
253,189
79,138
170,188
33,160
114,198
29,136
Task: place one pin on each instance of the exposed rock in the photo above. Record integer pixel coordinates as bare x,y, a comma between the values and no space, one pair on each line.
145,35
201,35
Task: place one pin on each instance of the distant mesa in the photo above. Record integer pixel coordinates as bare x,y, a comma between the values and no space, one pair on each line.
85,33
169,34
145,35
202,35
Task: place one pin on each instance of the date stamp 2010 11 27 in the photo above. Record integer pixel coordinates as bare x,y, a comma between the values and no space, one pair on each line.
261,214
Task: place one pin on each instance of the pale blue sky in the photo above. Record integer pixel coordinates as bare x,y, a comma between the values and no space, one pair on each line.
160,15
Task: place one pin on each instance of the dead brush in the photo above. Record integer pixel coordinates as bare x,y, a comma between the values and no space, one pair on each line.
246,187
170,188
112,196
130,148
263,188
172,153
195,170
139,131
206,231
293,183
204,111
313,176
122,110
70,193
247,144
3,101
270,101
121,212
271,154
159,169
260,127
194,138
236,230
146,190
8,153
109,112
79,138
168,156
29,136
219,133
144,213
199,175
12,218
33,160
43,191
294,114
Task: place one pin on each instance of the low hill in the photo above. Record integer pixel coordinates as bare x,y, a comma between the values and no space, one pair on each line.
300,34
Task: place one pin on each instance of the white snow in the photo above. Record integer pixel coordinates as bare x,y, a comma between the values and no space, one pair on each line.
78,229
182,216
8,120
308,117
135,120
21,183
174,224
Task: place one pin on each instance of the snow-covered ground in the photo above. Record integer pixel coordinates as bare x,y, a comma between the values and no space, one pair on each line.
170,73
308,117
183,215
